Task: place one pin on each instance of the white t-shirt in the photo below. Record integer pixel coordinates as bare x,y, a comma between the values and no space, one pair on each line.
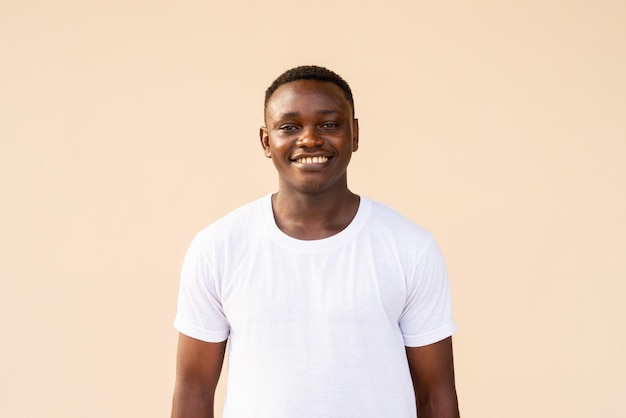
317,328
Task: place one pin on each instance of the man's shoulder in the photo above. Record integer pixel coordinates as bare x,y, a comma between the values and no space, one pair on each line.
391,220
238,221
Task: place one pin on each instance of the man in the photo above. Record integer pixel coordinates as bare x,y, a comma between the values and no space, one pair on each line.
334,305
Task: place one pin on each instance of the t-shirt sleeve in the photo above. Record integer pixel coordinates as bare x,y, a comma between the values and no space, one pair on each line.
200,313
427,315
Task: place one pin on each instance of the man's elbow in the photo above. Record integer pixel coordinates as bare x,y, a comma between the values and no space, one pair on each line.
438,405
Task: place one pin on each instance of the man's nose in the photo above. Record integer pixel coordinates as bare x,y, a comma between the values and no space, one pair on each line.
310,138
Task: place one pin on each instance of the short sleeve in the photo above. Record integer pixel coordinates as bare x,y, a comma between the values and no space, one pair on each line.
200,314
427,315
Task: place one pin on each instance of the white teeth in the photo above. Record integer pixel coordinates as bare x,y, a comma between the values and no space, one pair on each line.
312,160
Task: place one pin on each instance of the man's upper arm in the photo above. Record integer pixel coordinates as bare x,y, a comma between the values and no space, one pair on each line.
432,371
198,367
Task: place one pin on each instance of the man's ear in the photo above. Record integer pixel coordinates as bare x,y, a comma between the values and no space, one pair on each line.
355,135
265,141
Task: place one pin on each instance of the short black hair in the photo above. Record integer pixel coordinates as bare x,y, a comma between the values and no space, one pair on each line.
310,72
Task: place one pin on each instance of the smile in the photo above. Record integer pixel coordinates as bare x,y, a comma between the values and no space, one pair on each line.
312,160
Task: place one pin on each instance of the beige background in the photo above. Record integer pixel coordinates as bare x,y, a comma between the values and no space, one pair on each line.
126,126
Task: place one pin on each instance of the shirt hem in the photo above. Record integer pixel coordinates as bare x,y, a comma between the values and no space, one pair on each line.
200,334
431,337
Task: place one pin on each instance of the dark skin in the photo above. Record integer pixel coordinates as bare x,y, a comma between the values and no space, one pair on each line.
198,367
432,371
310,134
311,118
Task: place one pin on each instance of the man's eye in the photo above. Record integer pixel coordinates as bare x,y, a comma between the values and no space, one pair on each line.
329,125
288,128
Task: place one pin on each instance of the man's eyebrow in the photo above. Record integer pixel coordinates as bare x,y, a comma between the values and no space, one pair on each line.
287,115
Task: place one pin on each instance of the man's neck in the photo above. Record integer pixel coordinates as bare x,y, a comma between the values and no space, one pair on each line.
311,216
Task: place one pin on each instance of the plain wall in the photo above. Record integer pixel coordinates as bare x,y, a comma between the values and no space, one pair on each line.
127,126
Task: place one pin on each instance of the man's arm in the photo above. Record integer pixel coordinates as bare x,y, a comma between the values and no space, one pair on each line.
198,367
432,371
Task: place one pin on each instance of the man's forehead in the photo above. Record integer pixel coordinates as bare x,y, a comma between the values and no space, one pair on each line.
292,92
298,87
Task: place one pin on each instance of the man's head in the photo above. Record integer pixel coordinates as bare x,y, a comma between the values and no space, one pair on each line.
310,131
310,72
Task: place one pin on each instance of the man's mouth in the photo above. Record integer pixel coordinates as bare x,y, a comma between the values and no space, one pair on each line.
312,160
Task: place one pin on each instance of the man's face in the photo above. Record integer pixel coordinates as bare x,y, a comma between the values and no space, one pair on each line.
310,135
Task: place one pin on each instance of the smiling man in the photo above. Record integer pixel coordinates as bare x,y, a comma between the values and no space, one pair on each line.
334,304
